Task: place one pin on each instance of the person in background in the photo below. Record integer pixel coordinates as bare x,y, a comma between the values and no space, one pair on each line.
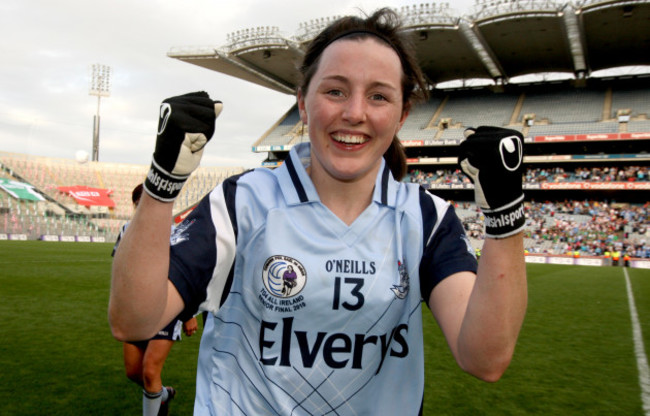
144,360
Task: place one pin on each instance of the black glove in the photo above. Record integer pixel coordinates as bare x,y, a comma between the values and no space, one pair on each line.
492,158
186,124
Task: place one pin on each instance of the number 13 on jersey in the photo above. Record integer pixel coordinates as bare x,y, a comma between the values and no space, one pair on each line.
351,288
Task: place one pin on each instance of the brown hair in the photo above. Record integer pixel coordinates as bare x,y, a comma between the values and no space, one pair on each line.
384,24
136,194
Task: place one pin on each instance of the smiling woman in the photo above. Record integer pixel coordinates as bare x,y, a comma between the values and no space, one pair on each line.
312,275
353,110
393,79
359,82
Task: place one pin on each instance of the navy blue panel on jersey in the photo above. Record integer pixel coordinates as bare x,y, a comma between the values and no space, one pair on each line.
447,252
199,228
296,182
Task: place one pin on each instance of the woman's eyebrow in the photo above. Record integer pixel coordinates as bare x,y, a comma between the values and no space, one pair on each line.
374,84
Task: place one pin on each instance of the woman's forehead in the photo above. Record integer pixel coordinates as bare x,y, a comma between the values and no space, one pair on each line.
360,54
360,42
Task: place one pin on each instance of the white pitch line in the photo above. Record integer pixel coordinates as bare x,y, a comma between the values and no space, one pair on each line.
639,349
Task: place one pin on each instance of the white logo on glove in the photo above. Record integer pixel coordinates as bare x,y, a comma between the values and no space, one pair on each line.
511,152
165,112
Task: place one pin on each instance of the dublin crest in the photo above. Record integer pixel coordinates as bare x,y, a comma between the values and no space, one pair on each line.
402,289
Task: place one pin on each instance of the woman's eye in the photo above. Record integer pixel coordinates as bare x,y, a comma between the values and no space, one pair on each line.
378,97
335,93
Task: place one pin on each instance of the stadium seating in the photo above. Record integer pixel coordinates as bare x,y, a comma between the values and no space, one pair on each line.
631,98
553,109
535,175
573,128
62,215
642,126
478,108
588,227
565,106
419,123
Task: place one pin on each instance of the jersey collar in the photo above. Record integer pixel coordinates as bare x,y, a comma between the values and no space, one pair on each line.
297,187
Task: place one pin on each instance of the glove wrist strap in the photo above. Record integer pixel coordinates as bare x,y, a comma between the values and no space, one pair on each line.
505,221
163,185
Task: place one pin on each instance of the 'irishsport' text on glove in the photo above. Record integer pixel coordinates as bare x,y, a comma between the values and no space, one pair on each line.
492,158
185,125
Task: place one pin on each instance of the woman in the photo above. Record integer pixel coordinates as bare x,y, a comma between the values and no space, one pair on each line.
365,249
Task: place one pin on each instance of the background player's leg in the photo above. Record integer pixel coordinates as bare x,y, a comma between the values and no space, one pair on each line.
154,360
133,357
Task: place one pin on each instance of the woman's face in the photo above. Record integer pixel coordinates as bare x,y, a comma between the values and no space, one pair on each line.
353,108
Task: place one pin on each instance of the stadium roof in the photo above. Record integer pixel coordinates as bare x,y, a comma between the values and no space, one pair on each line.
500,40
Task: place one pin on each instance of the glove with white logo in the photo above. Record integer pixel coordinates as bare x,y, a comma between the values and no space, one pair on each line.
492,158
186,124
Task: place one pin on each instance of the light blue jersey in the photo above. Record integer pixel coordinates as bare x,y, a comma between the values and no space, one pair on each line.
307,315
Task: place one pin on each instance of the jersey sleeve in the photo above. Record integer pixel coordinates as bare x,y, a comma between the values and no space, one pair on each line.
193,257
202,251
447,250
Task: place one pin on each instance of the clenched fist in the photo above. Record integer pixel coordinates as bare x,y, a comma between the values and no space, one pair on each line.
185,126
492,158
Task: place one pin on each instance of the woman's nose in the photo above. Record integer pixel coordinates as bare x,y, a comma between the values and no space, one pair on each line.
355,109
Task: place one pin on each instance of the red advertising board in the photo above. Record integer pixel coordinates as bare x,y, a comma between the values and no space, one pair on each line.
591,137
631,186
87,196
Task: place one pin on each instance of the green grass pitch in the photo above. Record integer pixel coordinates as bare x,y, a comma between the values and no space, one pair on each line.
575,354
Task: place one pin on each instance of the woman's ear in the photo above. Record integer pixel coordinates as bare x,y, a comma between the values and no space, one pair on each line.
301,106
405,114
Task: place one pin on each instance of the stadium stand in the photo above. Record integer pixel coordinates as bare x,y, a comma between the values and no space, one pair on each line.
638,126
564,106
632,101
537,110
478,107
588,227
60,214
532,175
586,137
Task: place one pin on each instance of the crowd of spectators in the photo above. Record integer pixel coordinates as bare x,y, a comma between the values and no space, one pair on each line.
536,175
590,227
440,176
585,228
591,174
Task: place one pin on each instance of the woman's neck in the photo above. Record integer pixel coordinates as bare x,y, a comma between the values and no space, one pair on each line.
346,199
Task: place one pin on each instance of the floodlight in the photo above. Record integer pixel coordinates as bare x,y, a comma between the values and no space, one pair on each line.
100,85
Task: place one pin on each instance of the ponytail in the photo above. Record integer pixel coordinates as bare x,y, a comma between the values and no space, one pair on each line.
396,159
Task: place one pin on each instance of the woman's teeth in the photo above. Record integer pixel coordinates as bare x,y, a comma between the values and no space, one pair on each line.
349,138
